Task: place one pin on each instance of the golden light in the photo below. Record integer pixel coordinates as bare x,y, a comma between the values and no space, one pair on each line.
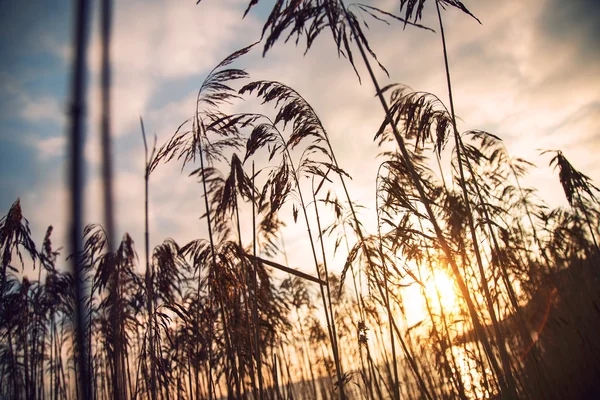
442,285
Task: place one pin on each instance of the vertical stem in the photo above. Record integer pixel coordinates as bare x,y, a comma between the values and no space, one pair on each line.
245,292
214,262
255,284
275,376
336,354
390,320
77,111
387,295
106,10
359,301
149,269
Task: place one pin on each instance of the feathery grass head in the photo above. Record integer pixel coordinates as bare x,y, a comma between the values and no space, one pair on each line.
215,91
47,255
169,270
413,9
573,182
422,115
294,19
14,235
292,108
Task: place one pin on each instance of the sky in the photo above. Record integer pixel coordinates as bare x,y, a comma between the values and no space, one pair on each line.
529,73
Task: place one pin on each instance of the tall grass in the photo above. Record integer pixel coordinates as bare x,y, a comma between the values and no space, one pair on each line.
212,319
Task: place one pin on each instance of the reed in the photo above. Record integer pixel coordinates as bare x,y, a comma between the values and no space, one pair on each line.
221,317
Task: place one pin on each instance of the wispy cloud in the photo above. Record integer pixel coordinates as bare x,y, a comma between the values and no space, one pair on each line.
157,42
44,109
50,147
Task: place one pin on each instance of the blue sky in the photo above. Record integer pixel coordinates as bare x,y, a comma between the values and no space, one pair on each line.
32,83
530,74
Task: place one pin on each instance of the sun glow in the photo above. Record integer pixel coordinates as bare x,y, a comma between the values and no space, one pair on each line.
440,289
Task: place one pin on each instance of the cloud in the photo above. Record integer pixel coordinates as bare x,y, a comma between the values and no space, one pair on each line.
47,205
157,42
50,147
43,109
575,22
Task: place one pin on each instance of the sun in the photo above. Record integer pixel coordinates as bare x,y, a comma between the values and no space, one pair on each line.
440,283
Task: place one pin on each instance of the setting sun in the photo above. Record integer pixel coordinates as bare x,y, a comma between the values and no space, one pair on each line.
440,283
